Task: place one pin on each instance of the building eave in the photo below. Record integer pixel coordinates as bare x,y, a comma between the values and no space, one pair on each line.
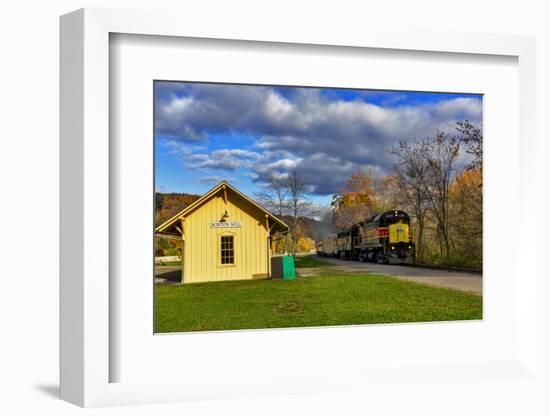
219,187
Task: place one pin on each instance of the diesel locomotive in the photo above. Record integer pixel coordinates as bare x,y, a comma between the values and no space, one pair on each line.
382,238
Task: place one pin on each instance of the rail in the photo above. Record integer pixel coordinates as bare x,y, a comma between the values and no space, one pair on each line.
430,266
449,268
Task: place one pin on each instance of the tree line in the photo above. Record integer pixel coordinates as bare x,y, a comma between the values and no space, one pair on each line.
287,196
443,198
436,180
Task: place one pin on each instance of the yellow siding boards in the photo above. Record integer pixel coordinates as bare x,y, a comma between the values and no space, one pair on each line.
202,250
202,242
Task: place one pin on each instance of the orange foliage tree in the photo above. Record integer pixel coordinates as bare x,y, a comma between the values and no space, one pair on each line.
356,200
466,201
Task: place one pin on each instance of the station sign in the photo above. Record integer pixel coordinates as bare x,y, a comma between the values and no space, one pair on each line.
226,224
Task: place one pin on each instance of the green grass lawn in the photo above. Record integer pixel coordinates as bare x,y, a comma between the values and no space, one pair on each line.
308,301
309,261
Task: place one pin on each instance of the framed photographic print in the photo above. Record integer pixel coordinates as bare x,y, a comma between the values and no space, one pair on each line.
302,200
280,214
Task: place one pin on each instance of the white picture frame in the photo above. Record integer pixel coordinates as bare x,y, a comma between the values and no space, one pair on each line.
85,203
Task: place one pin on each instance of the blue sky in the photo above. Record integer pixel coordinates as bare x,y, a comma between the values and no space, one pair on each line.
208,132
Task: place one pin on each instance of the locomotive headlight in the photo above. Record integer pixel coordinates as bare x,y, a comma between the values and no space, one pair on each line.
410,246
393,248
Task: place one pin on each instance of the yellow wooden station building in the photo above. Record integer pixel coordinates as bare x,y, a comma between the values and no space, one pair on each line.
225,236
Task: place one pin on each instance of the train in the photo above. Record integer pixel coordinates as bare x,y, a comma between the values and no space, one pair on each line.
382,238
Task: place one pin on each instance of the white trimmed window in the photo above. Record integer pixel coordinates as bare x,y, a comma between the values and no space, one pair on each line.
227,249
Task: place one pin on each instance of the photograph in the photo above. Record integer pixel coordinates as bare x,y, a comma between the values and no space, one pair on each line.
302,206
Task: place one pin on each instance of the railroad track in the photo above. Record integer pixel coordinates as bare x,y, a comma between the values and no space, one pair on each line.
451,269
419,266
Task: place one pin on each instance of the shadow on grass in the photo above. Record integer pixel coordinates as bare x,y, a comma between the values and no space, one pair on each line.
171,277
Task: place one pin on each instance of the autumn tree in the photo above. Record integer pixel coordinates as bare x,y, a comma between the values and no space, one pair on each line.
445,204
388,194
287,195
441,154
467,196
169,204
275,194
305,244
466,201
411,172
356,200
299,204
472,137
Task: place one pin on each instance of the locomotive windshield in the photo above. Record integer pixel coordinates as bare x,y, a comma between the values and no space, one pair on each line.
391,217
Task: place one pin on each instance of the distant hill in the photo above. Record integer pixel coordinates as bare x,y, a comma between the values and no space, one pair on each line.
309,227
168,205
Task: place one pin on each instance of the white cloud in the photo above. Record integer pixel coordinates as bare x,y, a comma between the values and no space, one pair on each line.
325,139
213,180
222,159
277,107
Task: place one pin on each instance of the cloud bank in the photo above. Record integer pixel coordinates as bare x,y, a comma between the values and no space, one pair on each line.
324,137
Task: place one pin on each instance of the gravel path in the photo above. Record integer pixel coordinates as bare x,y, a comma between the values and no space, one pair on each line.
464,281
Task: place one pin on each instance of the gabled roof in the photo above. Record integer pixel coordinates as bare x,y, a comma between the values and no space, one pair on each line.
164,227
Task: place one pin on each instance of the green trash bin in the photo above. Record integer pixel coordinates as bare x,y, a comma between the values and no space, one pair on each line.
283,267
288,268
